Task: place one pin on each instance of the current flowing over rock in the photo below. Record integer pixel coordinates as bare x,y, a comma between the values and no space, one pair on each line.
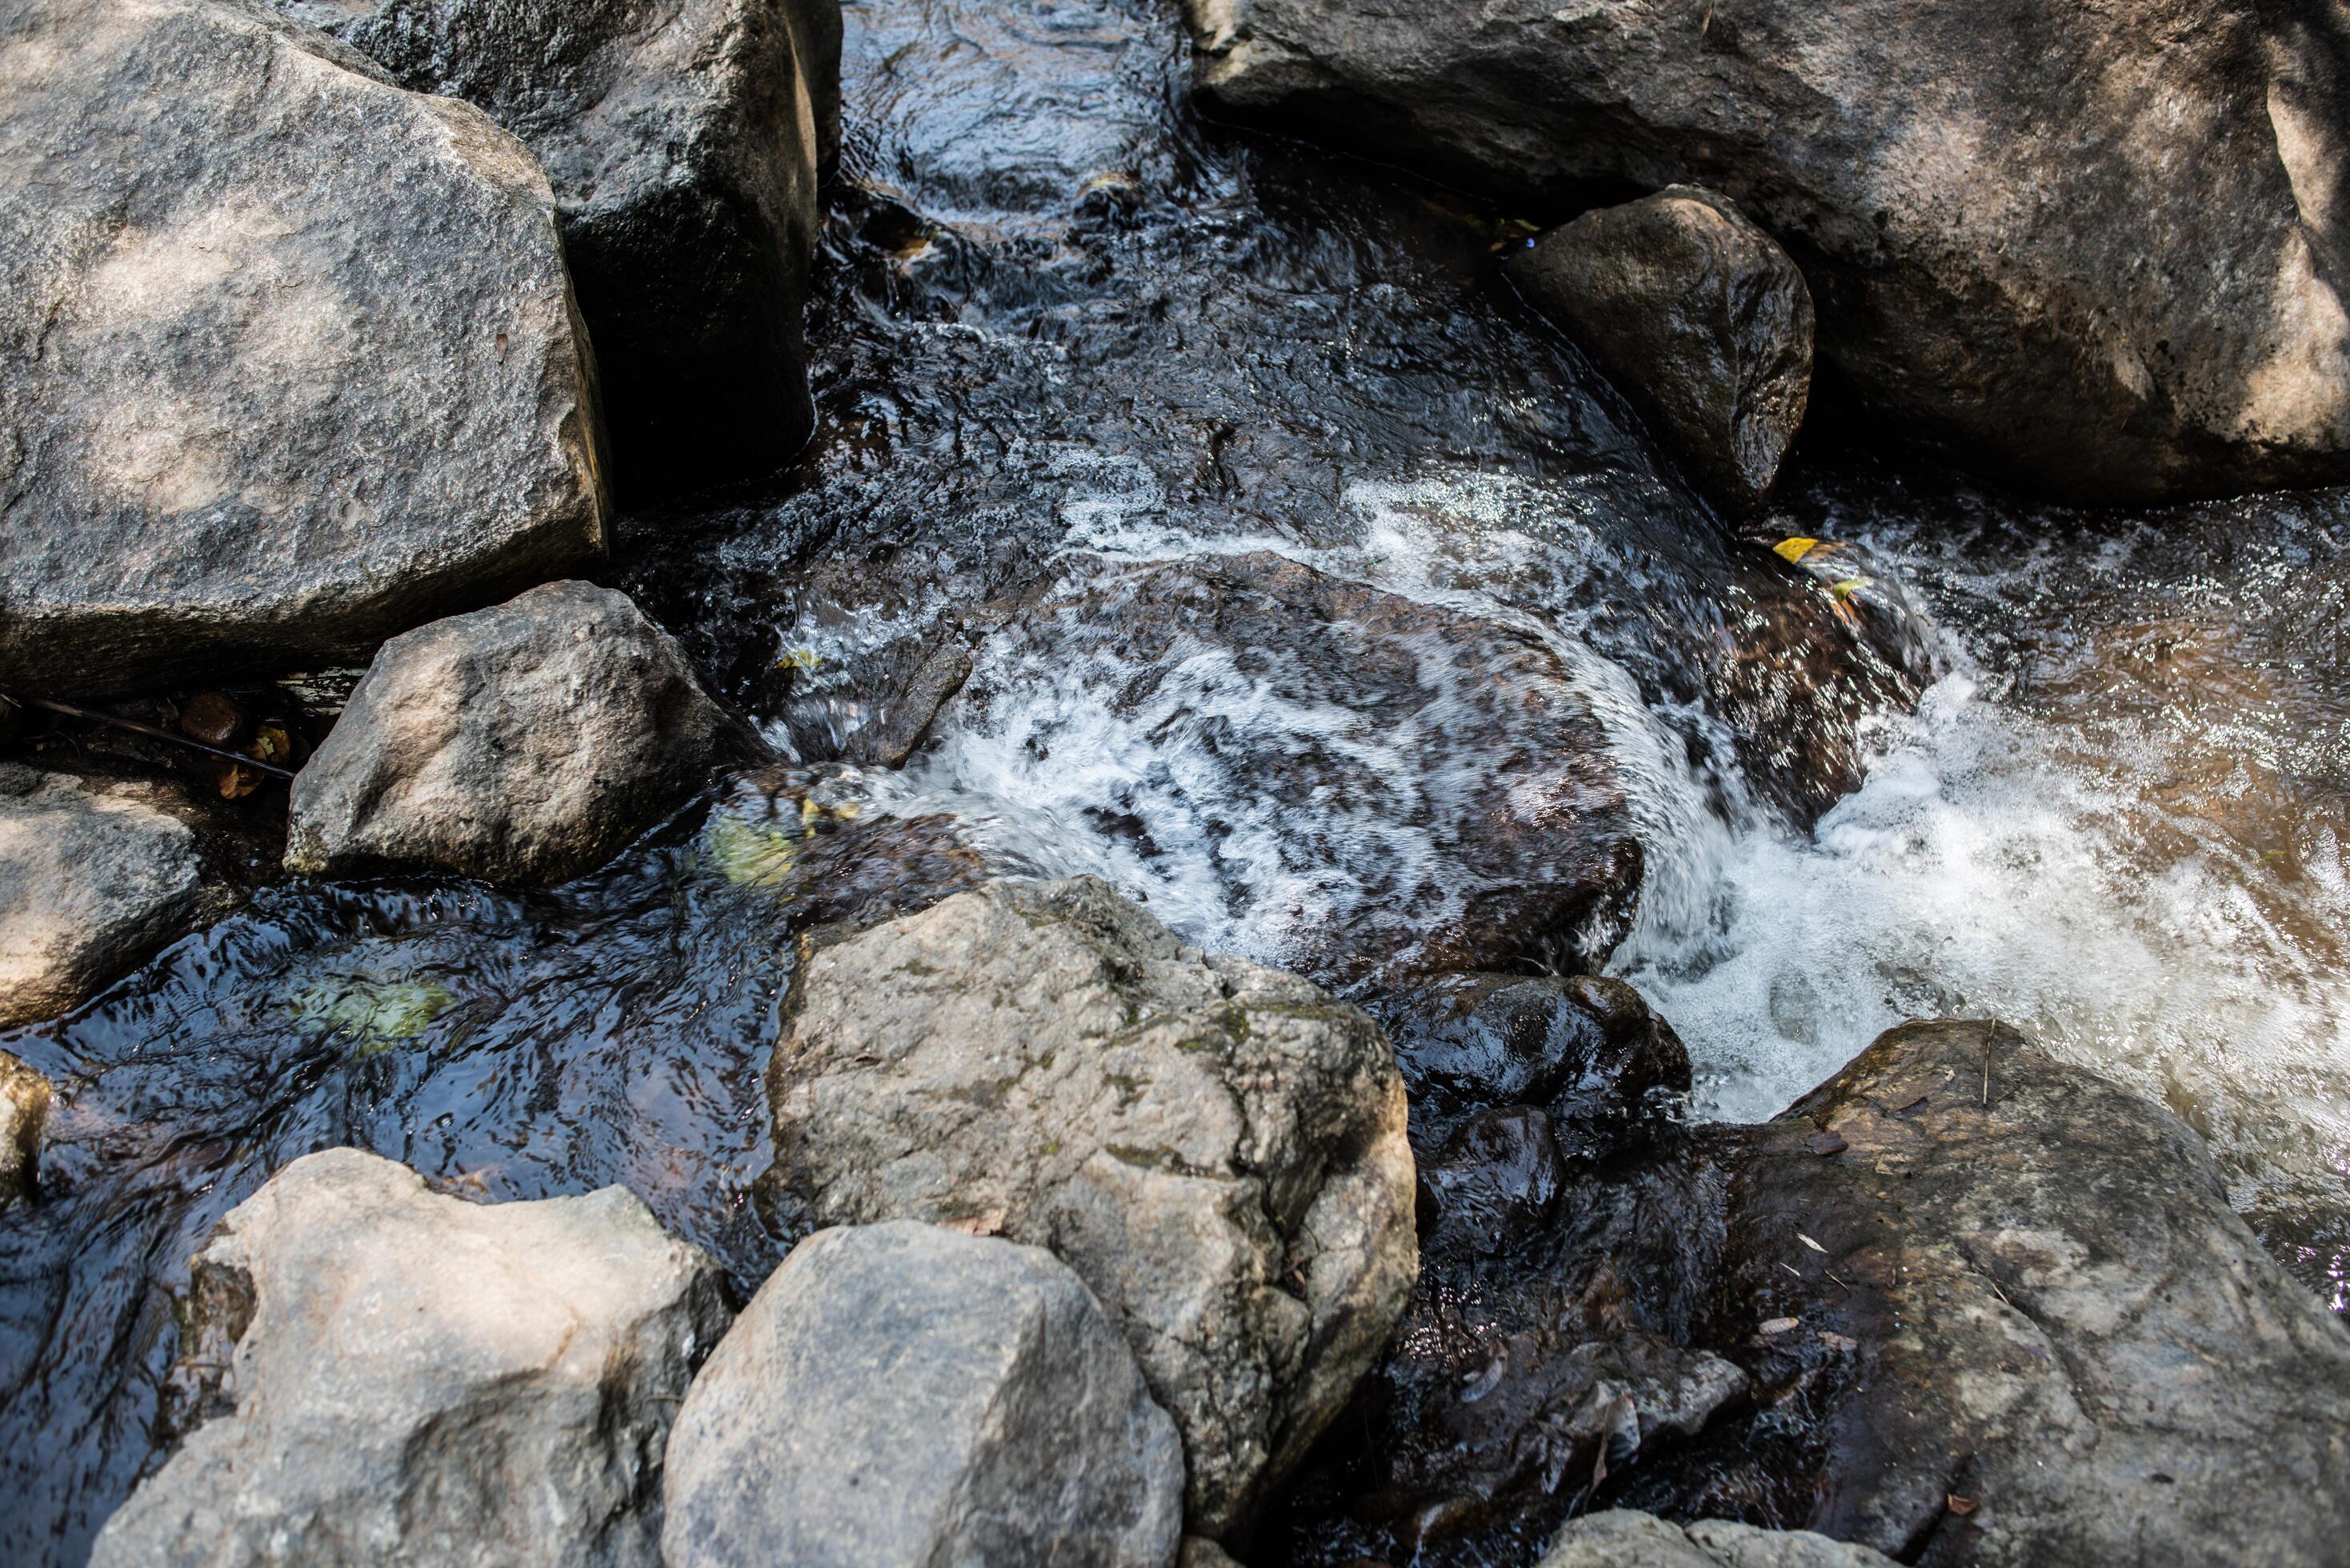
288,356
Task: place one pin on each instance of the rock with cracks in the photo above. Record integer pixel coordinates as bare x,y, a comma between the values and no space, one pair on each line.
1217,1148
24,1114
2058,1320
1619,1538
682,139
1699,316
2101,248
524,743
288,360
900,1395
400,1377
94,877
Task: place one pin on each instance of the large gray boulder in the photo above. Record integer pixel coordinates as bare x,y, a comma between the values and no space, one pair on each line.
682,139
1619,1538
1701,319
2056,1319
407,1378
523,742
288,360
2098,248
1215,1147
901,1396
94,877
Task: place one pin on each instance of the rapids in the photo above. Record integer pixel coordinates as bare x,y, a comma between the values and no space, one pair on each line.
1064,325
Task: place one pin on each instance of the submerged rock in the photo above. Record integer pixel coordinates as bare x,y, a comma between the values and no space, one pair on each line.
2057,1319
1466,812
94,877
406,1378
24,1114
1585,1048
898,1395
1699,316
2010,249
1619,1538
682,140
287,355
523,742
1218,1149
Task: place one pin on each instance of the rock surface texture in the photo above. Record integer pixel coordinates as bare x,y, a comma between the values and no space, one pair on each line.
1619,1538
1701,319
900,1396
2098,248
1216,1148
2058,1319
288,360
400,1377
682,139
93,878
24,1114
524,743
1474,815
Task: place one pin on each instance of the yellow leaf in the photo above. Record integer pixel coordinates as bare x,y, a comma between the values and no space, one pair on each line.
799,659
1793,550
1849,587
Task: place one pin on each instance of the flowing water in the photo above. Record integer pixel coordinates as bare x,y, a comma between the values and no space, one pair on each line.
1066,332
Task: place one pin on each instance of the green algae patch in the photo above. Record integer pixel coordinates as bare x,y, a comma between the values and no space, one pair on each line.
373,1015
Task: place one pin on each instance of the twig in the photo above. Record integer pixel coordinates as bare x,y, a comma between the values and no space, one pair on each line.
154,733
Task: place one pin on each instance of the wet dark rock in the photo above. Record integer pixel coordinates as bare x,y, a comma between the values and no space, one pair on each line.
1568,1258
1494,1182
1468,813
523,742
1548,1412
24,1112
2111,304
898,1395
396,1377
682,139
363,402
1587,1048
1619,1538
2056,1312
95,875
1218,1149
1699,316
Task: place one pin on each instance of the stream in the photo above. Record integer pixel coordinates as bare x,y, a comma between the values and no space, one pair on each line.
2084,771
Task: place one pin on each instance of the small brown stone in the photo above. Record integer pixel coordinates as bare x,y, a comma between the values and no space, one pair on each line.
216,719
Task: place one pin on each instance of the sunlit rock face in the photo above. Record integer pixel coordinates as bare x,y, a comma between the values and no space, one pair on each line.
389,1374
1217,1148
93,876
682,139
522,742
2097,248
289,359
